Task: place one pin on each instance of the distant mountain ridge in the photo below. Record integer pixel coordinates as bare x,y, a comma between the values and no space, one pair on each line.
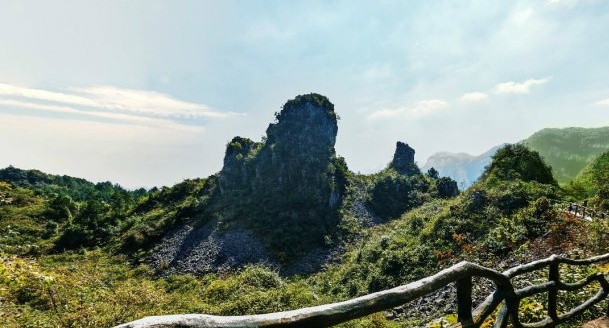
566,150
77,188
569,150
461,167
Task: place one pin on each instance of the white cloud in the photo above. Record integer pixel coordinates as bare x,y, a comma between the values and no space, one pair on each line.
604,102
473,96
116,99
146,102
524,16
522,87
38,94
148,121
422,108
565,4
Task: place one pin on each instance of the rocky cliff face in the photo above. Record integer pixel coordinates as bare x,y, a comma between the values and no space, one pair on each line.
278,201
292,181
275,201
296,159
403,160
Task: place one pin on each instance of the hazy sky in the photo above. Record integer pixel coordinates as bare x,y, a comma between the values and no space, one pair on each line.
147,93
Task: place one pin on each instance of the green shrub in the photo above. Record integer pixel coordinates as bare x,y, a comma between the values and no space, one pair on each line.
518,162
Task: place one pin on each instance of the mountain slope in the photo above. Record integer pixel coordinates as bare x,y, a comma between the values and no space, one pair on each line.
76,188
569,150
593,180
566,150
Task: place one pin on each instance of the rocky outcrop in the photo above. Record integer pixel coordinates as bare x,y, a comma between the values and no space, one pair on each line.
290,183
296,159
205,249
447,187
234,171
391,194
403,160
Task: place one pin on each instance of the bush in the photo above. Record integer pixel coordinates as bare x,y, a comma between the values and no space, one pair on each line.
393,194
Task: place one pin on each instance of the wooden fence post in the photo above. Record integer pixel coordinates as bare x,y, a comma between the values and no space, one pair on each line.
554,275
502,316
464,302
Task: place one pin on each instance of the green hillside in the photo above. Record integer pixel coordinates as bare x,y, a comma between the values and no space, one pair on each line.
593,182
569,150
76,188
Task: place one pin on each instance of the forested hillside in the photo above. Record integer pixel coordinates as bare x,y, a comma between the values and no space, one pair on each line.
569,150
593,182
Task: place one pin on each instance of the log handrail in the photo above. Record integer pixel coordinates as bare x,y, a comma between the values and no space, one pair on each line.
582,211
461,274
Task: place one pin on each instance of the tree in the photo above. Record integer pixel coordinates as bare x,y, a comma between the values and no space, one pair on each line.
61,208
433,173
93,226
519,162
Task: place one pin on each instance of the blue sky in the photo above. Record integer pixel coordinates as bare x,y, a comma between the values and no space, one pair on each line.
147,93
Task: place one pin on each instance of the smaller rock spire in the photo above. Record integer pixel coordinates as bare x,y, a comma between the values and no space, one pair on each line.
403,160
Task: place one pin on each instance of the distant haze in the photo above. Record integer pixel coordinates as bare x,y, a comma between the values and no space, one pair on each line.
461,167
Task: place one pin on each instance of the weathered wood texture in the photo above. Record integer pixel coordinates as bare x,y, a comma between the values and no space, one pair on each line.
461,274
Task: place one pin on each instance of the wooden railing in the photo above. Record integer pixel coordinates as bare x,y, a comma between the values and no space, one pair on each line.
584,212
505,297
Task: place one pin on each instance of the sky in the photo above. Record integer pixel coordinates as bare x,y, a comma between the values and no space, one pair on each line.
148,93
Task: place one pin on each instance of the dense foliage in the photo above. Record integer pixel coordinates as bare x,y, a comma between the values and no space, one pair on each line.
393,194
592,183
518,162
76,188
164,209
